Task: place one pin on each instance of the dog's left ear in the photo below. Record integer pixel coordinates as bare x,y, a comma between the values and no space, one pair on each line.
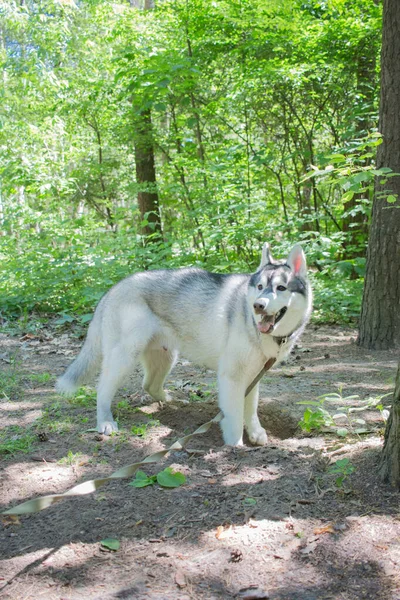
266,257
297,261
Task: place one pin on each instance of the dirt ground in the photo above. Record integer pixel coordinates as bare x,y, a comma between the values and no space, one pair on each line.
270,522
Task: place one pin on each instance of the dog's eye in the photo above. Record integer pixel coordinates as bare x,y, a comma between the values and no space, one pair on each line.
260,286
281,288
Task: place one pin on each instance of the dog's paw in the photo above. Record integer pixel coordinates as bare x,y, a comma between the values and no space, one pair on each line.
258,437
107,427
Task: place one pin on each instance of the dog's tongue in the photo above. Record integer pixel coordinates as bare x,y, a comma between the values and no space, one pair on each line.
266,324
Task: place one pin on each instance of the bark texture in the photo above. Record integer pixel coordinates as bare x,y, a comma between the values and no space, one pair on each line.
389,468
146,174
380,313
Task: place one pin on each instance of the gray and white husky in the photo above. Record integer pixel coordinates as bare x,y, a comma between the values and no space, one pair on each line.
229,323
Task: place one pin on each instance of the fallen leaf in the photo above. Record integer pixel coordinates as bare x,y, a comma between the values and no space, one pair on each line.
252,523
325,529
10,520
110,544
223,533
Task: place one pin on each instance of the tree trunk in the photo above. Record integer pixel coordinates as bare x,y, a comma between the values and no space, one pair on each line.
146,174
389,467
380,314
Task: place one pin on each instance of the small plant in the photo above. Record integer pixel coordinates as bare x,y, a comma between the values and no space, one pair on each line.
54,419
10,380
71,458
142,429
167,478
314,419
342,468
85,397
40,377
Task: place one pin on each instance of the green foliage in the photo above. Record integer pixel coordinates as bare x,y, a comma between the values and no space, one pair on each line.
85,397
244,99
111,544
342,468
71,458
142,429
167,478
15,440
317,418
10,383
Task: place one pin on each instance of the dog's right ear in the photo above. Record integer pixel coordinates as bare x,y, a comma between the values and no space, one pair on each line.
266,256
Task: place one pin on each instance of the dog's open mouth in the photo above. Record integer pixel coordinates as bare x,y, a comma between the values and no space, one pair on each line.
269,322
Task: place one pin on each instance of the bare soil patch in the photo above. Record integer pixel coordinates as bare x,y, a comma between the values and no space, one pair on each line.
249,523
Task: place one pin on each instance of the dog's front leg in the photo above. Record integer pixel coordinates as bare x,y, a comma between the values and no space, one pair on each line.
257,434
231,402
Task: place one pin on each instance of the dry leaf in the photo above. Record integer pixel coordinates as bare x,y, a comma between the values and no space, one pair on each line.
325,529
8,520
252,523
223,533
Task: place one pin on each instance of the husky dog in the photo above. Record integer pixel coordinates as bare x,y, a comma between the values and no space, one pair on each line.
229,323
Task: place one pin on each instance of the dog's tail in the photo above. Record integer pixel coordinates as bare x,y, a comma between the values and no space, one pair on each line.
86,364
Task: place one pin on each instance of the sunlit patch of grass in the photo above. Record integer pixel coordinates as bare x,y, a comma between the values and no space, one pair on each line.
40,377
10,383
72,458
54,419
16,439
85,397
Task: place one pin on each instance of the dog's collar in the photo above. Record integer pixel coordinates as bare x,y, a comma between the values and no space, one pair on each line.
281,340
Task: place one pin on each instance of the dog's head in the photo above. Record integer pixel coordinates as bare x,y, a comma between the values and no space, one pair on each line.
280,293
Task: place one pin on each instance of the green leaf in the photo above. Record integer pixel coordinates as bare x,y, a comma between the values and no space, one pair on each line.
142,480
249,501
342,432
111,544
170,479
391,199
341,463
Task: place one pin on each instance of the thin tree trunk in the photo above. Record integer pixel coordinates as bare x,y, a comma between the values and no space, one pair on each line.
143,142
380,314
146,174
389,467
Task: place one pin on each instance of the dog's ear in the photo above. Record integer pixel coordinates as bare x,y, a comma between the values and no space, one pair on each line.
297,261
266,256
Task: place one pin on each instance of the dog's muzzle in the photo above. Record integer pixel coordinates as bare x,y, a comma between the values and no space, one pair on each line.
268,322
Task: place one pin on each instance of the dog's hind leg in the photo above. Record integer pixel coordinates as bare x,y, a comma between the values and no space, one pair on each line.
157,364
117,365
256,433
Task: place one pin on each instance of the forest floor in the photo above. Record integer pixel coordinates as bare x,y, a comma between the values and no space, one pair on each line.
273,522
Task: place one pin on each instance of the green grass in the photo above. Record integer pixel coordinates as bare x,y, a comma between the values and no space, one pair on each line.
85,397
41,378
10,383
16,439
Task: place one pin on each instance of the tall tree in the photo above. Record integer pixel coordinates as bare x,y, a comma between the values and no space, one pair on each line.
380,314
380,319
147,196
389,468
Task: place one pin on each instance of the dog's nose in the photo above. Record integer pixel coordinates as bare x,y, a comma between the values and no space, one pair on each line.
260,305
